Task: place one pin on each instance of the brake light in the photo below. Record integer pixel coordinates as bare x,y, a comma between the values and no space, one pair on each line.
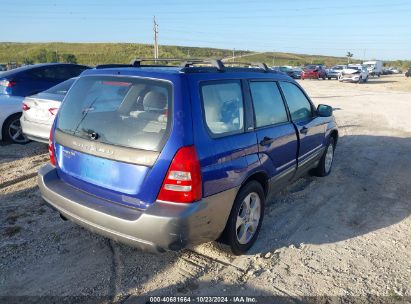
182,183
51,149
53,111
25,107
6,83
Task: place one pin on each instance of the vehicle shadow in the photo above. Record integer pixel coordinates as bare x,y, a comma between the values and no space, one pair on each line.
369,189
12,152
377,81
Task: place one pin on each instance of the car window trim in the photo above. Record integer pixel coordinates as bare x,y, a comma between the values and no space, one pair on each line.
219,81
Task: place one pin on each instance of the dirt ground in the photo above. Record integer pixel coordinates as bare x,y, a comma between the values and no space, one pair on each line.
348,234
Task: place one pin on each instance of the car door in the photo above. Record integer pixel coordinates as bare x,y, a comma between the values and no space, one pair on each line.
276,135
311,129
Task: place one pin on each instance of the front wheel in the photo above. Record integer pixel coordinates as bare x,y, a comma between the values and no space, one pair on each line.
326,161
245,218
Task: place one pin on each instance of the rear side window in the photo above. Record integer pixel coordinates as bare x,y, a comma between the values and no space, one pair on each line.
268,104
298,104
223,107
122,111
61,88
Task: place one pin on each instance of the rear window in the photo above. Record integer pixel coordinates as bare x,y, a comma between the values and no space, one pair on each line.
122,111
61,88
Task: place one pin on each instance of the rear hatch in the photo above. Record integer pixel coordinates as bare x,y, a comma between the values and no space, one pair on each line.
109,134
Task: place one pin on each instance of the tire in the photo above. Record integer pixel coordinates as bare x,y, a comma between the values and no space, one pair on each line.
329,78
237,233
12,131
325,165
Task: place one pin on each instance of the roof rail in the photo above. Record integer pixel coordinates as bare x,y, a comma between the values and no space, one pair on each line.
187,65
113,65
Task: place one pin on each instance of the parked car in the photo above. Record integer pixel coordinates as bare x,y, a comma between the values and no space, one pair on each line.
335,71
354,73
182,156
395,70
32,79
10,112
314,72
297,73
40,110
408,73
290,72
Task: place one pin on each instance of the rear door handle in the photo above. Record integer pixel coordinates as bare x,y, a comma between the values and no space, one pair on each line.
304,130
266,141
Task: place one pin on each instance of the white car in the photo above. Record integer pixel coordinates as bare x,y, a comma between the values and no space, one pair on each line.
354,73
10,112
40,110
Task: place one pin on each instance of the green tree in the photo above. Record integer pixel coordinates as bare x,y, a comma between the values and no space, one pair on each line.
39,55
52,56
28,61
69,58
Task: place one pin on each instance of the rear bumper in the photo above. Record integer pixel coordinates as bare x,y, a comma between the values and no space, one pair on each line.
161,227
35,131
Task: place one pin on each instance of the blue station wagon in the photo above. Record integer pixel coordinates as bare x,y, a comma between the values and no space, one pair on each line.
163,157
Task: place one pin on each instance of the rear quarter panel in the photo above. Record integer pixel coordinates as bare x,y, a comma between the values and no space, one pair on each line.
9,105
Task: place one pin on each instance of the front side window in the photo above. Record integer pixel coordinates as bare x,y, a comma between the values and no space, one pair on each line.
223,107
123,111
298,104
268,104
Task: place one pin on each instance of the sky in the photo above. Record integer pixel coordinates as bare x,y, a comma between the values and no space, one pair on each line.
370,29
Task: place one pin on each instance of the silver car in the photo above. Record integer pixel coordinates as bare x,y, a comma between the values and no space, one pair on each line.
40,110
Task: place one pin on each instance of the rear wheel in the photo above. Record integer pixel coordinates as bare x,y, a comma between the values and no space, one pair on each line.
12,131
245,218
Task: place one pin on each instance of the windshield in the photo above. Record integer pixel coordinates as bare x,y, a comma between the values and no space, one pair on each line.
311,67
337,67
123,111
61,88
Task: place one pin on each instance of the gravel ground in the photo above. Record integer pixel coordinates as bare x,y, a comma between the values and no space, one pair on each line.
348,234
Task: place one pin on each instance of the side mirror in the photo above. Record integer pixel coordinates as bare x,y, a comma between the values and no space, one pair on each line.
324,110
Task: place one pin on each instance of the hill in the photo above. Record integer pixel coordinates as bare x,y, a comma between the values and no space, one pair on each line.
100,53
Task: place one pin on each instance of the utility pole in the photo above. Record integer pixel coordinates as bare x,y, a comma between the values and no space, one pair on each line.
155,30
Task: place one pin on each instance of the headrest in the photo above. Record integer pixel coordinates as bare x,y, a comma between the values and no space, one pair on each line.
154,101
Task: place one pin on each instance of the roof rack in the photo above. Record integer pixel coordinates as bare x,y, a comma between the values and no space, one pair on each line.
187,65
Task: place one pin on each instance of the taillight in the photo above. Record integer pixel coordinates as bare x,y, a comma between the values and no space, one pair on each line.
51,149
7,83
182,183
25,107
53,111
